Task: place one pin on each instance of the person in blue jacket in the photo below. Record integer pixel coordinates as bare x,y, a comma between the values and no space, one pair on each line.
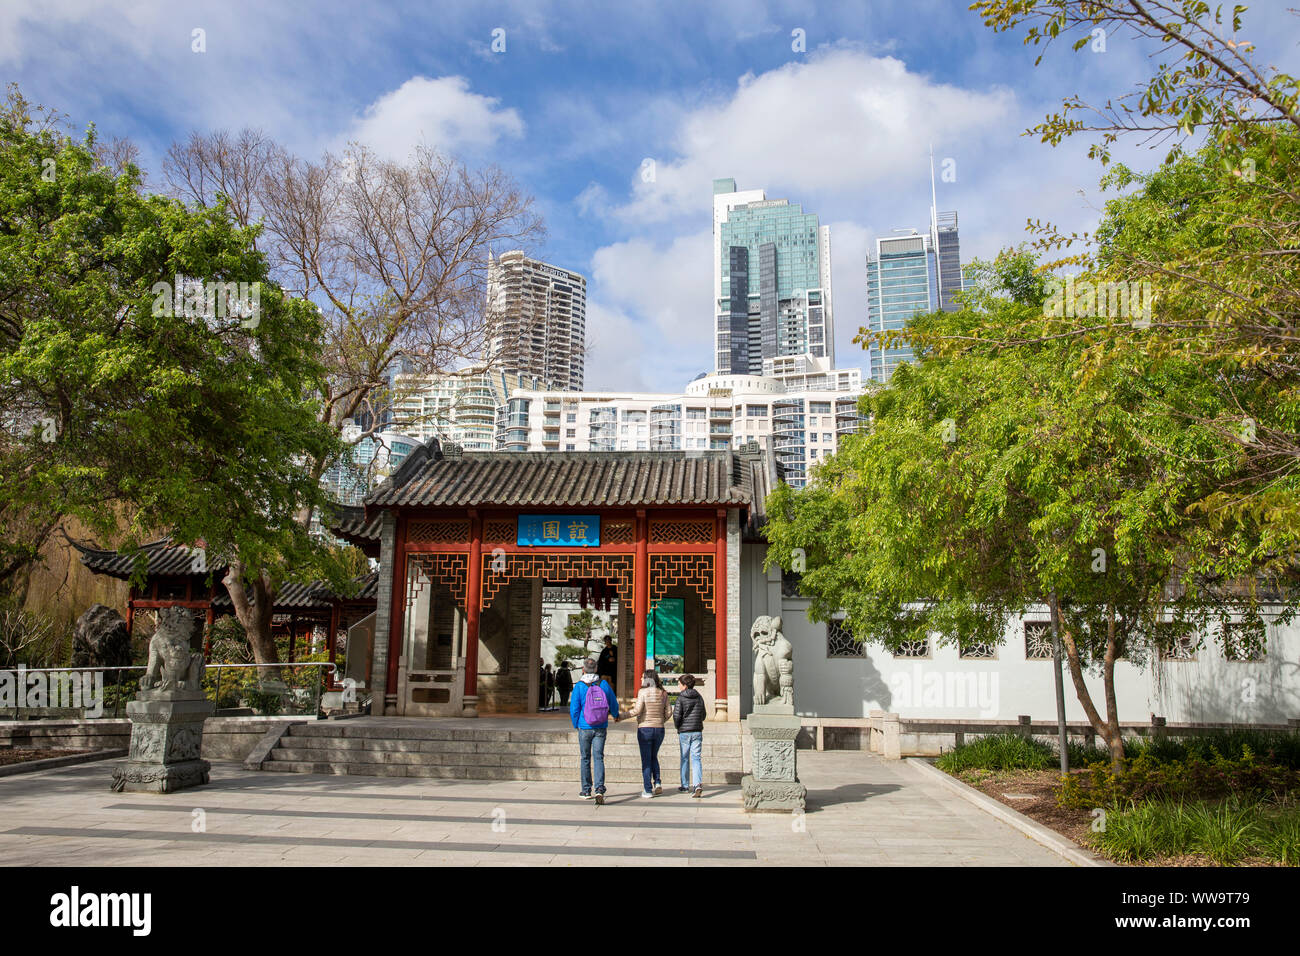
591,722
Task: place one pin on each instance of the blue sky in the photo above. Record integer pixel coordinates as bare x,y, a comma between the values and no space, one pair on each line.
584,93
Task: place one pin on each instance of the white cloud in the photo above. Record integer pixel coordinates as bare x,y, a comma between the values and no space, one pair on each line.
842,120
440,112
649,317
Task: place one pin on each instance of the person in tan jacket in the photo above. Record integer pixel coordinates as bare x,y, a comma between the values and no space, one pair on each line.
651,711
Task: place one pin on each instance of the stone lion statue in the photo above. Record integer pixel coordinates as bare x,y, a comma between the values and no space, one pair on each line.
172,665
773,664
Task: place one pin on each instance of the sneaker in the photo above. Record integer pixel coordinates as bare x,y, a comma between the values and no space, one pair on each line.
683,789
646,795
658,790
585,796
699,792
600,797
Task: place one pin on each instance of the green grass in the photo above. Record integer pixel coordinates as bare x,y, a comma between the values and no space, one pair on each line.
1227,832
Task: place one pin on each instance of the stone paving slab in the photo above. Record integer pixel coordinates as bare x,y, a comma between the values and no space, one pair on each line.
862,811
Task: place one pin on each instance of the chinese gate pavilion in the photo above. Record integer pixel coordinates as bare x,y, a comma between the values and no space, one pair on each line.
467,541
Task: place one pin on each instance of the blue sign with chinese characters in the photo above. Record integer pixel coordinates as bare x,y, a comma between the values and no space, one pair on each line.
566,531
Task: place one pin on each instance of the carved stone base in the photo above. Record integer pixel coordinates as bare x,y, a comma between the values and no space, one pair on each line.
774,784
775,796
166,741
160,778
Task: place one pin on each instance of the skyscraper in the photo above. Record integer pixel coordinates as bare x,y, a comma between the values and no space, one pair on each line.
772,282
539,316
910,274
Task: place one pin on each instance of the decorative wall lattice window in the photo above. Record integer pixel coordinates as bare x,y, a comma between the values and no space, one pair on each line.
840,642
1241,646
1038,640
981,651
1177,647
913,649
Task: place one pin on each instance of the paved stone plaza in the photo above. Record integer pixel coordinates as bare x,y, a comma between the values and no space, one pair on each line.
862,810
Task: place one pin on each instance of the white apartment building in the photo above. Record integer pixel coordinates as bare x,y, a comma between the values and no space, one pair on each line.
459,407
714,411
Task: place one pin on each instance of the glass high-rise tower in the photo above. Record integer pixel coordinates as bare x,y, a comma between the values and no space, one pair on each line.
772,283
911,274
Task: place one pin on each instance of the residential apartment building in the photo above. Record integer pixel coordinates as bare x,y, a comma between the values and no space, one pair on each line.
458,407
714,411
538,314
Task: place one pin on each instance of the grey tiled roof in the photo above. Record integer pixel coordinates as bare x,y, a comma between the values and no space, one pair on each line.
352,525
165,559
568,479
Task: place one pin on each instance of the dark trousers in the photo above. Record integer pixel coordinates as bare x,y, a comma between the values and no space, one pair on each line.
649,740
564,696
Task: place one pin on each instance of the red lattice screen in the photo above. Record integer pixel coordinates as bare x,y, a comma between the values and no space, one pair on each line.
449,569
681,532
689,570
499,570
453,531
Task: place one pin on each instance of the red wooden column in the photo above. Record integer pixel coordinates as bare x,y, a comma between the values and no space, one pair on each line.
473,597
720,614
640,598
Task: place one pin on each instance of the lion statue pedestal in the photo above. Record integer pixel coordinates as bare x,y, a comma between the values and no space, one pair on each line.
773,726
167,715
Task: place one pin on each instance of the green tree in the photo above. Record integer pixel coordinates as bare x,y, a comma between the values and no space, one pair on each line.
588,629
126,402
992,479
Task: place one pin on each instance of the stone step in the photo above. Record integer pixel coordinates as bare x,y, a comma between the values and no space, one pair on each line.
525,761
351,730
630,779
723,749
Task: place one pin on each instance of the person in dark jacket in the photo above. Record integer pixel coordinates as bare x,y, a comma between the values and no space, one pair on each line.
688,718
564,683
607,663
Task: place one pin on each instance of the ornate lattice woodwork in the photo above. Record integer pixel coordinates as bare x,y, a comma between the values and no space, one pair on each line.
682,531
617,532
499,530
443,531
449,569
840,642
687,570
500,569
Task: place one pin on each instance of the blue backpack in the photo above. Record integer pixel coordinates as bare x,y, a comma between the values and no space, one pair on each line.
595,706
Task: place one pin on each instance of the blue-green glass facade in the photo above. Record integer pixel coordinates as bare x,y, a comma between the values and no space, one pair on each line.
901,282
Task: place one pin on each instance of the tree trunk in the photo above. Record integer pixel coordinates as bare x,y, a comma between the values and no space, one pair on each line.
254,612
1113,737
1108,731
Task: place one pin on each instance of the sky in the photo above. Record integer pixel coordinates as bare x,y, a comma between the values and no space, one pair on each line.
835,106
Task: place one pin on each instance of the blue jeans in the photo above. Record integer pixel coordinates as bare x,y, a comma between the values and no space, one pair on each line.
691,744
649,739
591,752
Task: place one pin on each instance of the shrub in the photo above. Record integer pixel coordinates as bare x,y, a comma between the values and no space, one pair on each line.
999,752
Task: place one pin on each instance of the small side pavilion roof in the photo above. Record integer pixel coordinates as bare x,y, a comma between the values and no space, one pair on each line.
165,559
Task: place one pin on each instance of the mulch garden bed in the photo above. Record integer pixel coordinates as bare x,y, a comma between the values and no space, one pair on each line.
21,755
1033,793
